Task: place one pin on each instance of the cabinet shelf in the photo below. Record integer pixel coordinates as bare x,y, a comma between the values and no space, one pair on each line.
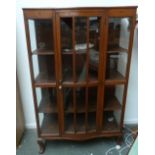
50,125
115,77
112,104
43,79
80,124
80,108
113,50
71,51
42,52
110,126
46,106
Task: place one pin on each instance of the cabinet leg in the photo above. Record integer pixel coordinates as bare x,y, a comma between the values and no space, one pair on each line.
42,145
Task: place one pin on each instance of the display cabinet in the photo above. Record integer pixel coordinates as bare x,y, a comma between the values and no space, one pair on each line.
79,65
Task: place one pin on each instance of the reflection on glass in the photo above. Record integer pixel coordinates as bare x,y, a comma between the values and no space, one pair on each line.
94,35
41,35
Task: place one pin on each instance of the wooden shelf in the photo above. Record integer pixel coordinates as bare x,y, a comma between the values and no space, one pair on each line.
91,122
46,106
42,52
45,80
69,124
71,51
80,124
50,125
115,77
112,104
81,108
113,50
110,126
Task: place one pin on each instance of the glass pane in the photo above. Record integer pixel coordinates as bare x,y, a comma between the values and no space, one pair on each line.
69,123
80,99
67,68
68,110
41,35
46,99
80,48
113,101
80,123
92,107
81,67
94,35
119,33
66,35
44,68
118,42
68,100
116,66
49,124
80,109
66,49
48,111
80,33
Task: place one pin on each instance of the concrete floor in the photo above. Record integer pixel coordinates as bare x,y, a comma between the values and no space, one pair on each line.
92,147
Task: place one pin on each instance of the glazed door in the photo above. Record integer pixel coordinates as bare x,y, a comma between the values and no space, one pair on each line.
79,52
120,31
42,58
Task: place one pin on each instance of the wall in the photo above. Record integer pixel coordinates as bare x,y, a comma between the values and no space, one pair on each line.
23,66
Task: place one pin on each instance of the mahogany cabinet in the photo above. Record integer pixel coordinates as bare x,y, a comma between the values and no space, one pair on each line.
79,63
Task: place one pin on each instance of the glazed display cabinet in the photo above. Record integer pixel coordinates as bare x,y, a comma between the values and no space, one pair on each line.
79,65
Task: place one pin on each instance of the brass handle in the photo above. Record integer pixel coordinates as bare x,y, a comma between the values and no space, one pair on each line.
60,87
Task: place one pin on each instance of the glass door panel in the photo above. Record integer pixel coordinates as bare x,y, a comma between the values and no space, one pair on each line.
80,48
42,50
113,101
117,51
48,111
41,36
79,43
44,69
80,106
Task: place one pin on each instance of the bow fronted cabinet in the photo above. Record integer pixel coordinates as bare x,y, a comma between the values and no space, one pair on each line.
79,64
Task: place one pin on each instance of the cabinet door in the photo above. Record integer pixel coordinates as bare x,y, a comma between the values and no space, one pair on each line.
120,29
79,55
42,57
